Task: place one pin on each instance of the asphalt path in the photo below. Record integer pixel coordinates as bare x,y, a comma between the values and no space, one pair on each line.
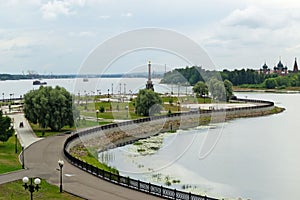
41,160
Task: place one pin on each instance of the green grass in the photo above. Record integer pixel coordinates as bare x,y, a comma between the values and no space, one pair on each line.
48,132
15,191
90,157
9,160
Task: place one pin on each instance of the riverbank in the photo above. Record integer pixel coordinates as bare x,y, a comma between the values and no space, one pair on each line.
115,135
288,90
110,138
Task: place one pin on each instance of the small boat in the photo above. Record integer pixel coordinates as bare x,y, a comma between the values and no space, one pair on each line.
85,80
37,82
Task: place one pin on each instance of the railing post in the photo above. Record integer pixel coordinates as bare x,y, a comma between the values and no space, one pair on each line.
149,187
161,191
175,194
139,184
190,195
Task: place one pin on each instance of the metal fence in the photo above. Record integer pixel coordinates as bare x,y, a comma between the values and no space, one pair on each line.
128,182
142,186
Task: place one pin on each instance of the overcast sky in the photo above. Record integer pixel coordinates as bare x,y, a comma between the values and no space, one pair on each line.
56,36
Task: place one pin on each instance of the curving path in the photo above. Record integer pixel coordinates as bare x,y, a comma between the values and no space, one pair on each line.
41,161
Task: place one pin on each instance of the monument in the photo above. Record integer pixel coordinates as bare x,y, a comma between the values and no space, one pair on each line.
149,84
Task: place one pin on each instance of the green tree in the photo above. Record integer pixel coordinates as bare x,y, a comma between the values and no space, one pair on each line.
50,107
6,130
148,103
270,83
217,89
102,109
228,89
171,101
200,88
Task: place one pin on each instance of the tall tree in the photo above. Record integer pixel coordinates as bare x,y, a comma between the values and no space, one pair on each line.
50,107
200,88
6,130
270,83
217,89
148,103
228,89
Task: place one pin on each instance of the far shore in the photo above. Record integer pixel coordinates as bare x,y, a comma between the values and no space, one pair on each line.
289,90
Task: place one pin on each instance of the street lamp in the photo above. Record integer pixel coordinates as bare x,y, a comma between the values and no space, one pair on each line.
97,111
127,110
31,188
60,164
16,145
23,159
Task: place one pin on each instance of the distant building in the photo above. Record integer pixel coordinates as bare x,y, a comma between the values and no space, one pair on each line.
295,70
265,69
279,69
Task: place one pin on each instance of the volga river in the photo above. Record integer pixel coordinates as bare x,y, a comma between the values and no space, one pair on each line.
16,88
255,158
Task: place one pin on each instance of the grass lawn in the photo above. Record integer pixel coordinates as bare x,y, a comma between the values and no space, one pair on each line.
15,191
9,160
90,157
48,132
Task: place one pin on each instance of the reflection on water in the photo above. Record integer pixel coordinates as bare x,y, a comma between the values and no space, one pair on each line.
106,157
255,158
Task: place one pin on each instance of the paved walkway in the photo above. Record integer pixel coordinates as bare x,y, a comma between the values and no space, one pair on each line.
41,158
25,135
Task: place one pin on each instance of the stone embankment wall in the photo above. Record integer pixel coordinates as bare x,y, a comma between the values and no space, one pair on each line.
118,134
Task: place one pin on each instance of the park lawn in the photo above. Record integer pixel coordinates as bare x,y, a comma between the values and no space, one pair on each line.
9,160
48,132
90,157
15,191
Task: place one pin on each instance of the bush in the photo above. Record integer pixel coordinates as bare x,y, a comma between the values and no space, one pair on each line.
102,109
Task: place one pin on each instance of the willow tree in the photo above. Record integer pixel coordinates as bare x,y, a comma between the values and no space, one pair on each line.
148,103
49,107
6,129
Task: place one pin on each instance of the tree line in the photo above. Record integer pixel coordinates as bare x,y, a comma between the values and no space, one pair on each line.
243,77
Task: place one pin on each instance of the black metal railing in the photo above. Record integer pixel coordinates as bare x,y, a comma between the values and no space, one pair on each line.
142,186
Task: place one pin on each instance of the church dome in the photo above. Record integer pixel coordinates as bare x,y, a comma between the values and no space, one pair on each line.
280,65
265,66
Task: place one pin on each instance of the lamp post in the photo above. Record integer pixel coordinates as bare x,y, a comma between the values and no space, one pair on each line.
31,187
60,164
97,111
127,110
16,143
23,159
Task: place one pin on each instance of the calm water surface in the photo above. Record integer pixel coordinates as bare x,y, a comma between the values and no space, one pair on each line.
255,158
92,86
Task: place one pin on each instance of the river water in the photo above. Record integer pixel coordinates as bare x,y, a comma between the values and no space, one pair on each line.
17,88
255,158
